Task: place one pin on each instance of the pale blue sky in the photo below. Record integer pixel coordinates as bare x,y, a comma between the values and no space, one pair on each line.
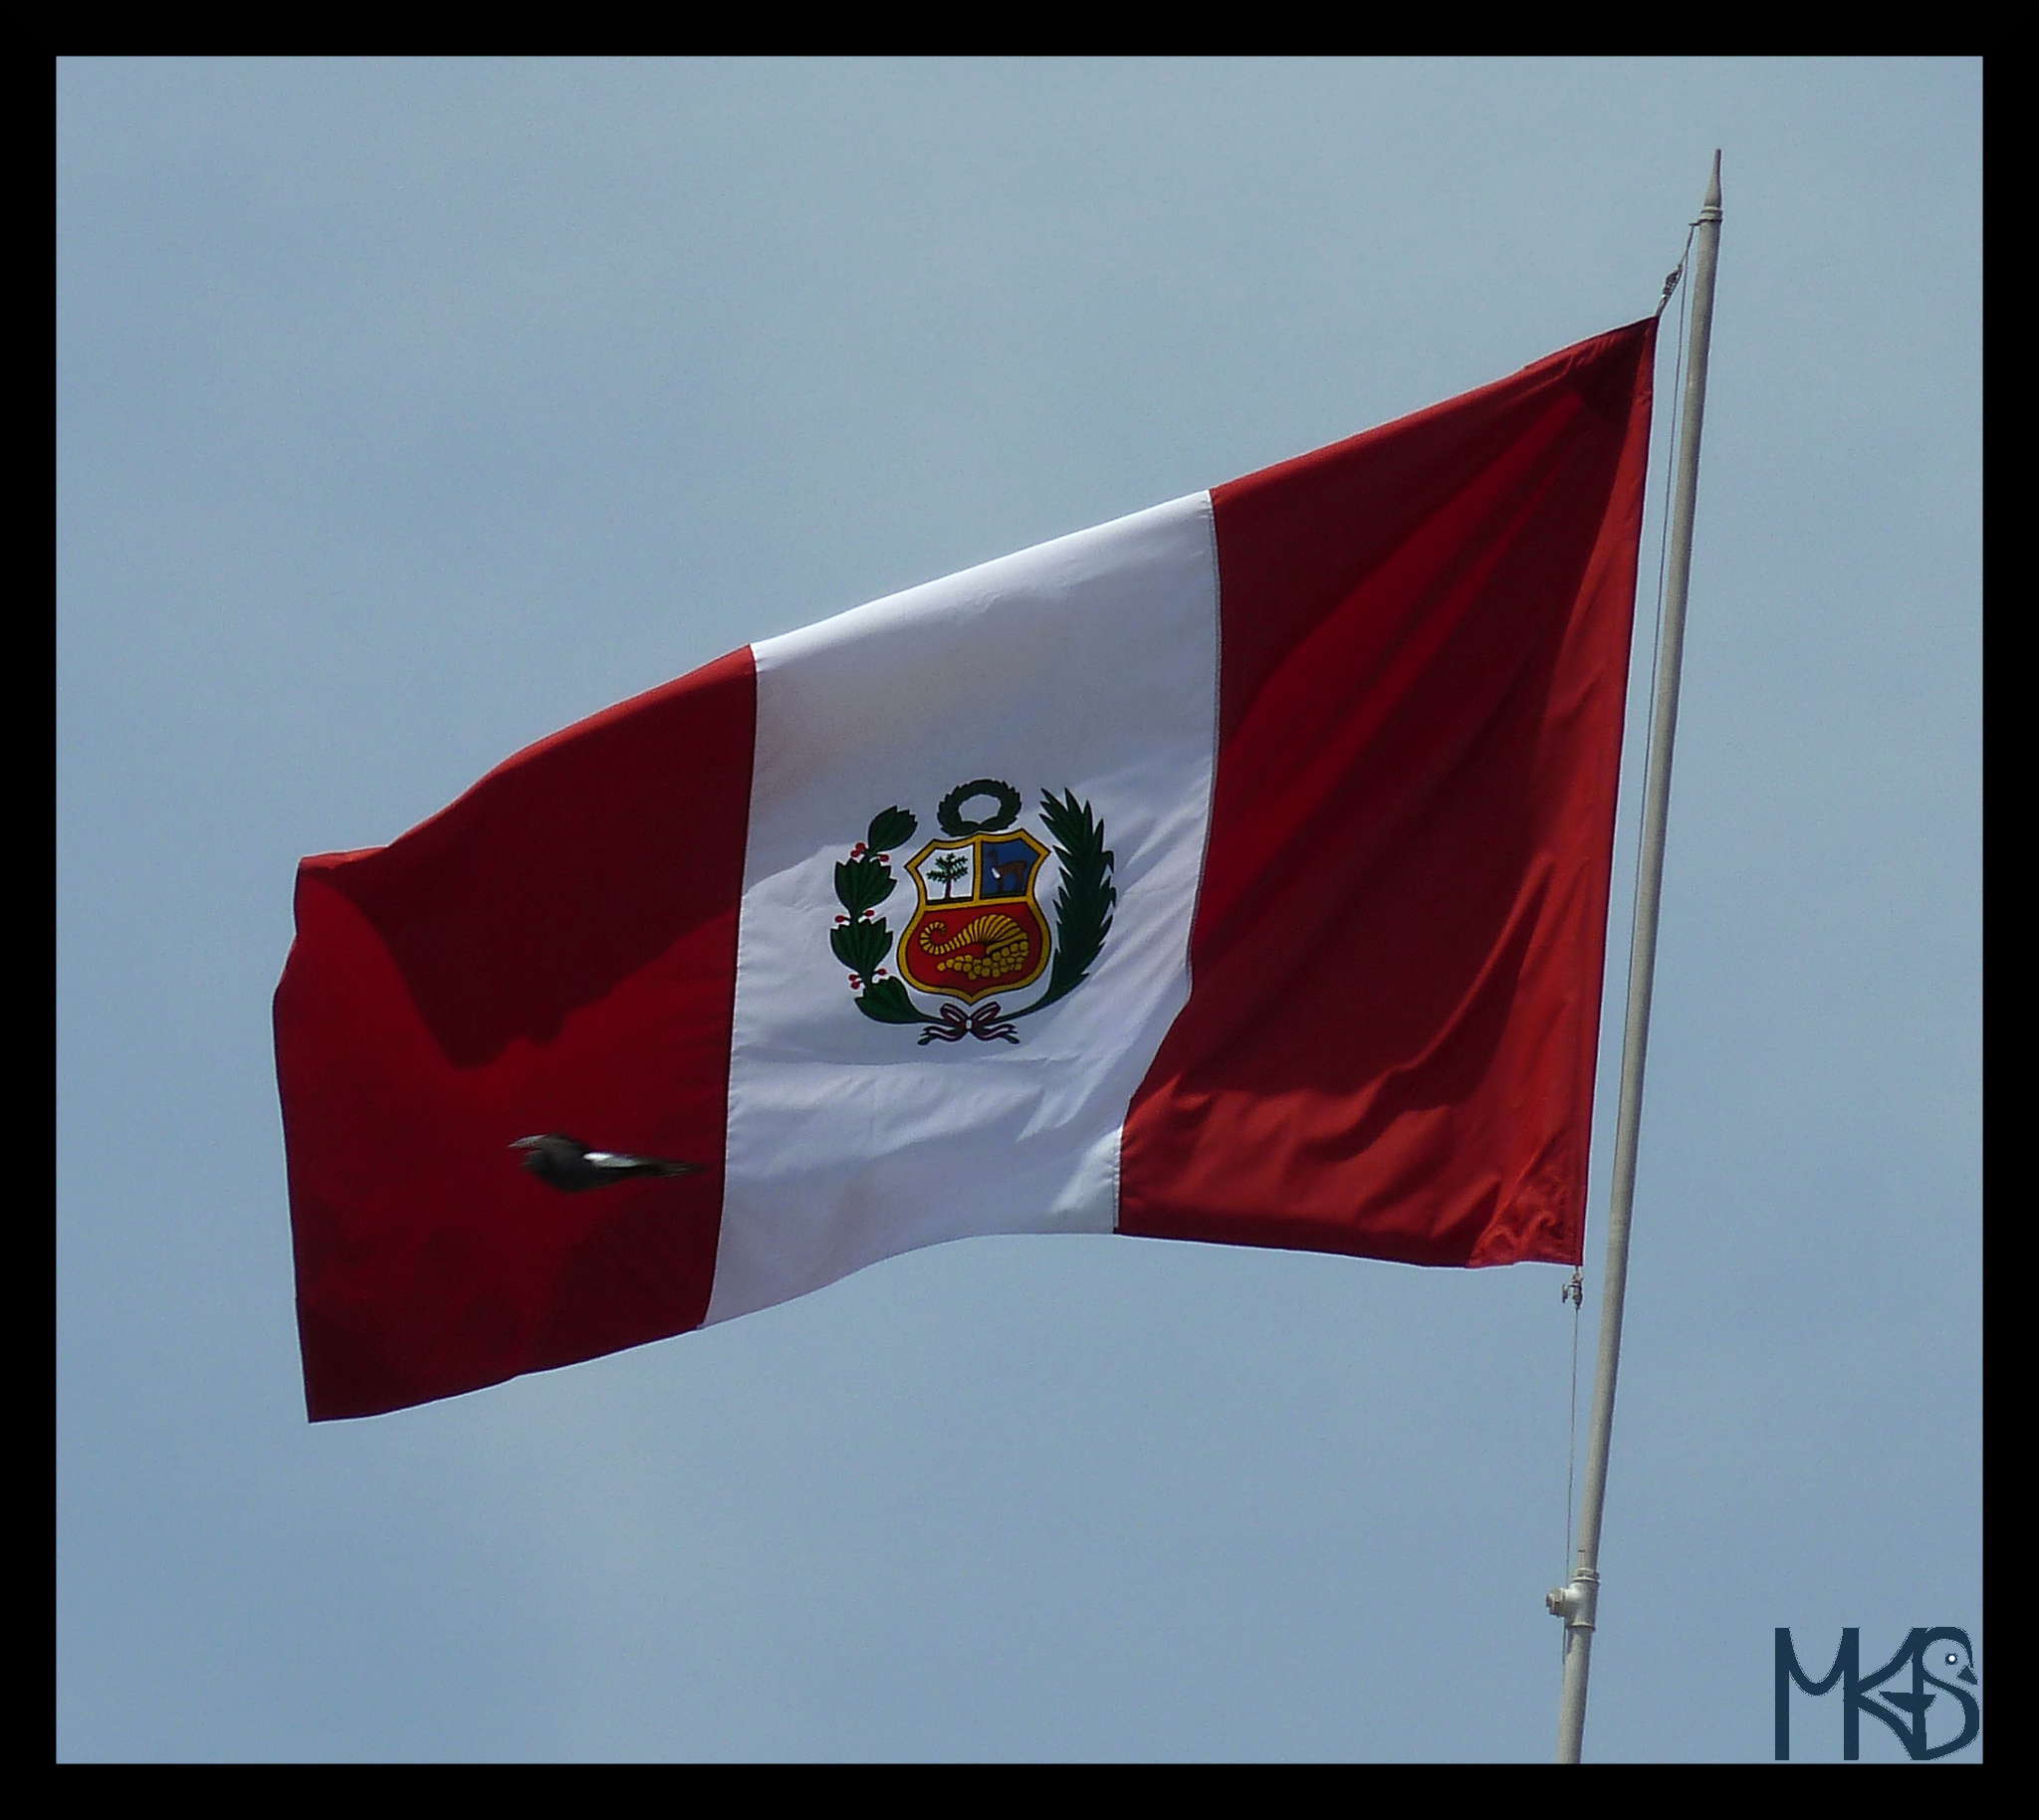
409,411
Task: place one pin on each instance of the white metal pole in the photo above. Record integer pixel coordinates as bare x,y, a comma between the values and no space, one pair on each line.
1577,1602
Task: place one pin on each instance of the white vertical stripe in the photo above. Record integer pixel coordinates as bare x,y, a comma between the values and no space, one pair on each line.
1088,665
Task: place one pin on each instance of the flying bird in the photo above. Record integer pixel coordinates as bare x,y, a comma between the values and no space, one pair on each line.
569,1165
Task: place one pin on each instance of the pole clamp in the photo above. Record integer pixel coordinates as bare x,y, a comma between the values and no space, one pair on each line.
1576,1601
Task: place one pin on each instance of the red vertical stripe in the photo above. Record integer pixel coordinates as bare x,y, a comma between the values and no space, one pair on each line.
556,950
1396,961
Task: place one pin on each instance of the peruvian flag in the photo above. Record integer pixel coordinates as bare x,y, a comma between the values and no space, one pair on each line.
1236,871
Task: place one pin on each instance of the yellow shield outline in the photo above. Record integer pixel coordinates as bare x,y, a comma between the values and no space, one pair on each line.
973,920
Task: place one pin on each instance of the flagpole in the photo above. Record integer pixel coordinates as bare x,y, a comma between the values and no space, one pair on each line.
1577,1602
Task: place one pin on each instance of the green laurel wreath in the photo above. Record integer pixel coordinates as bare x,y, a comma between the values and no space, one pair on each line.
1084,905
860,939
1086,899
949,812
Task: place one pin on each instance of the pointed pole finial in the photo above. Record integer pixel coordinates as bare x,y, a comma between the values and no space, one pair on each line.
1708,217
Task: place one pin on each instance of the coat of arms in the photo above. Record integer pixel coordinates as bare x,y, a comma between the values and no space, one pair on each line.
977,927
